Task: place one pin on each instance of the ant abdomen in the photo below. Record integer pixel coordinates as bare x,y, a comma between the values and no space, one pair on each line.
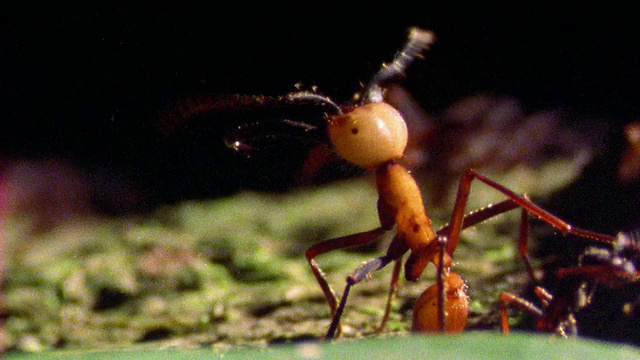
456,306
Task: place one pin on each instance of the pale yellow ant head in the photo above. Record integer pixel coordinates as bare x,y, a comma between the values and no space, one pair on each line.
369,135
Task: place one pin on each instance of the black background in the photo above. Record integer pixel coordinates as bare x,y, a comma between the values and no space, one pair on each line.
88,81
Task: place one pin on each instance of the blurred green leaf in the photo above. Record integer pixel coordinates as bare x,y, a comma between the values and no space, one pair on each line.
476,346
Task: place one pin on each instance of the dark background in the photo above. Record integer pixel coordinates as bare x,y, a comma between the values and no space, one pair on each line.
87,82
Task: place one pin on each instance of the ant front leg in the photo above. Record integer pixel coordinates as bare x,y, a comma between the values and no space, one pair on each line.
336,244
396,250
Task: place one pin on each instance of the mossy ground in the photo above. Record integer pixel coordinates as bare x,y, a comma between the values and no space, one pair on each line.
232,271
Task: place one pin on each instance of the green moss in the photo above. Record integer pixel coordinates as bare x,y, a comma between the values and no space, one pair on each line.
229,272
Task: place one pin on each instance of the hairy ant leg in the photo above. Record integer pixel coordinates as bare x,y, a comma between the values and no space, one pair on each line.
395,252
507,299
336,244
441,278
393,288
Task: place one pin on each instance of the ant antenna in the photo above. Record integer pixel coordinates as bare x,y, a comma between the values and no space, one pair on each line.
419,41
251,136
241,138
308,96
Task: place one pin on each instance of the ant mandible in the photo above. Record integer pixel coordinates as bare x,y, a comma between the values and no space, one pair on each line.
373,136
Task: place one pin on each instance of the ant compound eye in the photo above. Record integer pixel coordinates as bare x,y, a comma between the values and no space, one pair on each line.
369,135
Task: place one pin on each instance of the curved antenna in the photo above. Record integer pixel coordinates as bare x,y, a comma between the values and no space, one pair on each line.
245,138
314,98
187,109
419,41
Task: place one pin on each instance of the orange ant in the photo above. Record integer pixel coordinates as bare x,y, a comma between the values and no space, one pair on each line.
373,136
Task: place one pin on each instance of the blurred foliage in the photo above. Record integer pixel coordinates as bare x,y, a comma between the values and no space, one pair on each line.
475,346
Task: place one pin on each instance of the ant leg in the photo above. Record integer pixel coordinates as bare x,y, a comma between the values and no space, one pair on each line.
523,243
488,212
396,250
361,273
507,299
335,244
393,287
416,263
521,201
441,275
607,275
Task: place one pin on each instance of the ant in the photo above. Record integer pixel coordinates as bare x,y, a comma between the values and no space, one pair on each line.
610,268
373,135
602,272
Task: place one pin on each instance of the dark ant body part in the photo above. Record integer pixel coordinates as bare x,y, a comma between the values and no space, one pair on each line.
611,266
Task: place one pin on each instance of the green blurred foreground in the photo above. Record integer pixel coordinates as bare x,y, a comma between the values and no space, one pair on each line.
476,346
